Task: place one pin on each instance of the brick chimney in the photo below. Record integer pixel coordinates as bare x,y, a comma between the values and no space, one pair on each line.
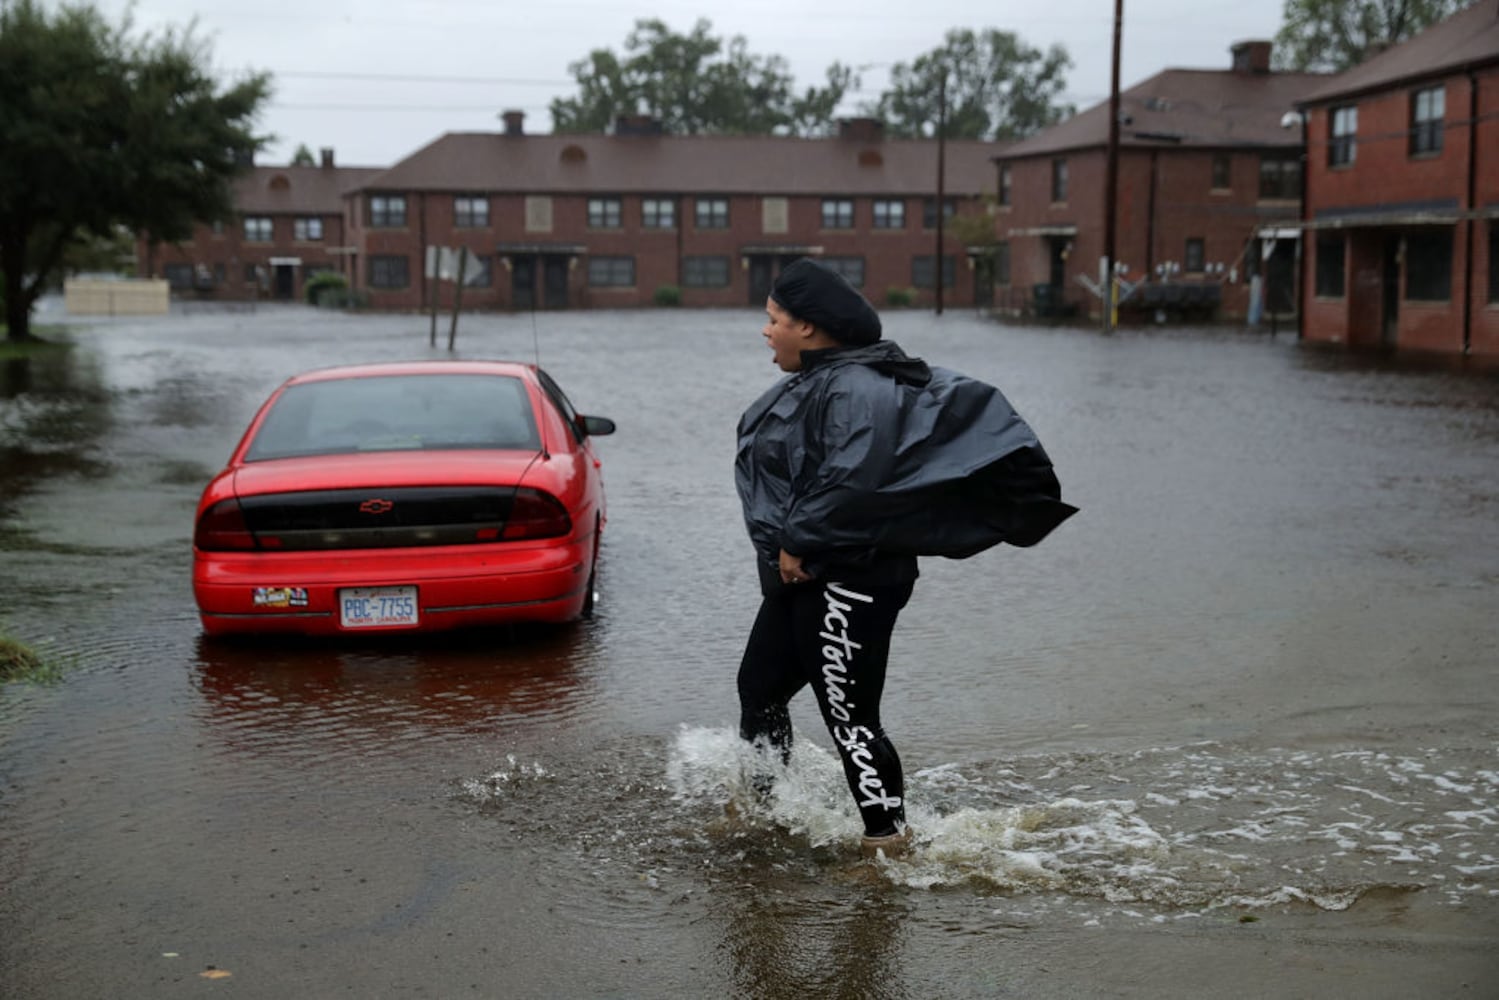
861,129
1251,57
515,122
327,157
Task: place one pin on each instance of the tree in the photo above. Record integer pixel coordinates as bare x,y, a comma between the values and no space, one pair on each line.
1337,34
303,157
103,131
997,88
695,84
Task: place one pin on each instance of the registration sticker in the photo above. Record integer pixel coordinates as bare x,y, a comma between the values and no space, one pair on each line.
372,607
280,597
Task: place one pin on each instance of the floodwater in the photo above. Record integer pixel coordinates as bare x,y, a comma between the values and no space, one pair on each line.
1233,729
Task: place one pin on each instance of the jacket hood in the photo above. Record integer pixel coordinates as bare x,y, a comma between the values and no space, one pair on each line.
884,356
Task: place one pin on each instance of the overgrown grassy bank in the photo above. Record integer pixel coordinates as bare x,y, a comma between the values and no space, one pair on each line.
23,664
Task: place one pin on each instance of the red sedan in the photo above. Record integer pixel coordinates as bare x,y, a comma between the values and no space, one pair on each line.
404,496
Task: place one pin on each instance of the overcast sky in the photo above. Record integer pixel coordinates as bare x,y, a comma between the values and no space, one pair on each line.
377,82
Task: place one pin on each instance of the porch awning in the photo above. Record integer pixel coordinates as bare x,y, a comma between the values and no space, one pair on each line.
571,249
1044,231
780,249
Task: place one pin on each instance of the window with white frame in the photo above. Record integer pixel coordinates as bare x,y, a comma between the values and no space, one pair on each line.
257,229
889,213
1059,180
1005,184
387,211
605,213
711,213
837,213
658,213
308,229
1342,133
611,272
470,212
1428,109
705,272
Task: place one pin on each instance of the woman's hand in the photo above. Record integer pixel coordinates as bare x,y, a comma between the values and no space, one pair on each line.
791,569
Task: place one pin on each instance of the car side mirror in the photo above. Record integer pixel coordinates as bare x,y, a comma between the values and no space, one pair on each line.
591,426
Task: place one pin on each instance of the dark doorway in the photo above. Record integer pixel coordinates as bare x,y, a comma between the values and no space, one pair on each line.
1389,327
1280,278
554,280
983,280
763,269
285,281
523,282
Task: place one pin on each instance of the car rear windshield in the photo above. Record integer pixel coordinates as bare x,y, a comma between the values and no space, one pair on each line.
395,413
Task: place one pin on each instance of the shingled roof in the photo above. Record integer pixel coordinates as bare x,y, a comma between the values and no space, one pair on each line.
726,165
1185,107
271,190
1467,39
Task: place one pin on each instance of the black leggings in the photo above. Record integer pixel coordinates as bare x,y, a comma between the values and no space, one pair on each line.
835,637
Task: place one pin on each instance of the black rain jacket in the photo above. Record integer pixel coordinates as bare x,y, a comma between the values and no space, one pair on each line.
867,453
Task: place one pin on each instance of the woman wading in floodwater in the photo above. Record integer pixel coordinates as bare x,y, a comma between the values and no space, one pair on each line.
859,461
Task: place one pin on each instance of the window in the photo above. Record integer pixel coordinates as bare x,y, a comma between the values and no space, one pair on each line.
712,213
388,271
1494,261
1428,108
1194,258
1280,177
1222,172
1331,253
929,211
604,213
470,212
1058,180
837,213
218,227
257,229
889,214
308,229
1002,263
705,272
179,276
658,213
252,274
1428,265
1342,131
852,269
611,272
538,213
775,215
921,271
387,210
1004,184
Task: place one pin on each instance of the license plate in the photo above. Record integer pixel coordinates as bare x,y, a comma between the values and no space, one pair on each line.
372,607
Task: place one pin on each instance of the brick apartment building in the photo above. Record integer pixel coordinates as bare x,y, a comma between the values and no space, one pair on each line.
1205,170
1402,202
290,226
596,220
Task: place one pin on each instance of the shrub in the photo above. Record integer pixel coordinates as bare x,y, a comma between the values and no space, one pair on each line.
320,285
668,295
900,296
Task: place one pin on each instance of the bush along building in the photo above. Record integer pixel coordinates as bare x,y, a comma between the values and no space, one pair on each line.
290,226
1206,170
1402,202
635,217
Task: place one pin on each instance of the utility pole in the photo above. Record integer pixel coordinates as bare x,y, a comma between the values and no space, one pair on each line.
1111,193
941,186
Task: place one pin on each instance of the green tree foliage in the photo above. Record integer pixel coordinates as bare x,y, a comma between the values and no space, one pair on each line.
303,157
695,83
998,87
1336,34
101,131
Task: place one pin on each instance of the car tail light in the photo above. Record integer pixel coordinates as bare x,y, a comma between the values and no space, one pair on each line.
535,514
222,528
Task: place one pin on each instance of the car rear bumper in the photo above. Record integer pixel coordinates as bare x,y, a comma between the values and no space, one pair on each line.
456,586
